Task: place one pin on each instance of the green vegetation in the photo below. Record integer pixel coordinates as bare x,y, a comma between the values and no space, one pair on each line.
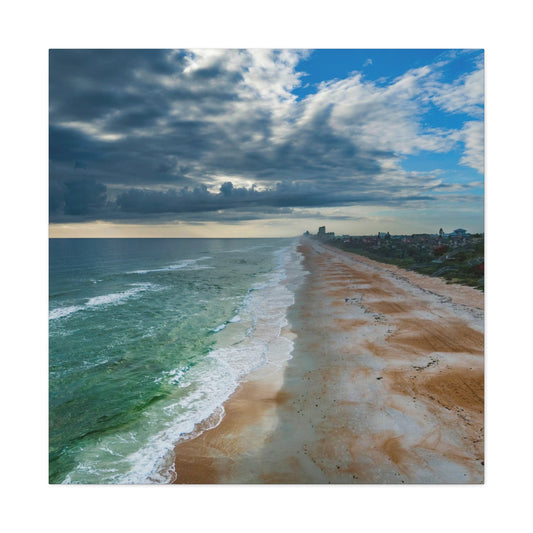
456,258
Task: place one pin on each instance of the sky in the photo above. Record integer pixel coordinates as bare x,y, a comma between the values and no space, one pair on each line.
265,143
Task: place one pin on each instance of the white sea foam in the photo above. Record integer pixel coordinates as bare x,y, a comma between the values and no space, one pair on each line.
103,300
220,327
247,249
60,312
118,297
175,375
99,362
185,264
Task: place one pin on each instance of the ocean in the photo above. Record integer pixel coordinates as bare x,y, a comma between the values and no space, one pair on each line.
148,338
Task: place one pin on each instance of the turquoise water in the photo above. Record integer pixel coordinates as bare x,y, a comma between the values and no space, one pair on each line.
148,338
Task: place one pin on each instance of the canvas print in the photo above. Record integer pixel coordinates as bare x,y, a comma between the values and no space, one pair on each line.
266,266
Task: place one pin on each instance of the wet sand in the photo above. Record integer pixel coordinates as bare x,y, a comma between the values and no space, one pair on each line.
386,385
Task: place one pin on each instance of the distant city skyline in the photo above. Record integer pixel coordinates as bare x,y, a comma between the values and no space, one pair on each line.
265,143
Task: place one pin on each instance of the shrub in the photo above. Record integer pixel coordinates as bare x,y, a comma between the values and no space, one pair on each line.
440,250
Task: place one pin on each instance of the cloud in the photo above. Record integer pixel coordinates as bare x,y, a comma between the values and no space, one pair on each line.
282,195
83,197
473,136
151,132
464,95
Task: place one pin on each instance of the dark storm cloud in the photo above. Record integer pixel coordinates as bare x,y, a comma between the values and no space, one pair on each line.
88,84
81,197
138,117
151,132
70,145
56,202
284,195
86,196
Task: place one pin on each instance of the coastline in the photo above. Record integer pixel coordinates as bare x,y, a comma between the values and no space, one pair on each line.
385,385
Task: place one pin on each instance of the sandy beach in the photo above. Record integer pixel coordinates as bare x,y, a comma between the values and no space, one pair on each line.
385,385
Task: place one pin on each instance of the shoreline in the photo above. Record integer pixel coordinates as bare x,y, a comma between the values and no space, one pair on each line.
385,385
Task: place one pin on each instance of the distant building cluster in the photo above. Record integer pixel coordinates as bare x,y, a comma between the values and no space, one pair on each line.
385,236
322,234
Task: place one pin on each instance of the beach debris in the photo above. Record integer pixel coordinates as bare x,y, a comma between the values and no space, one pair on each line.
432,361
353,300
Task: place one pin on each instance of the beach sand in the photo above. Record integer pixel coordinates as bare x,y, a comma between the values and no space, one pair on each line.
385,385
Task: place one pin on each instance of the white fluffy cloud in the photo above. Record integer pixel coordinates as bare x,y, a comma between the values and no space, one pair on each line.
473,136
464,95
